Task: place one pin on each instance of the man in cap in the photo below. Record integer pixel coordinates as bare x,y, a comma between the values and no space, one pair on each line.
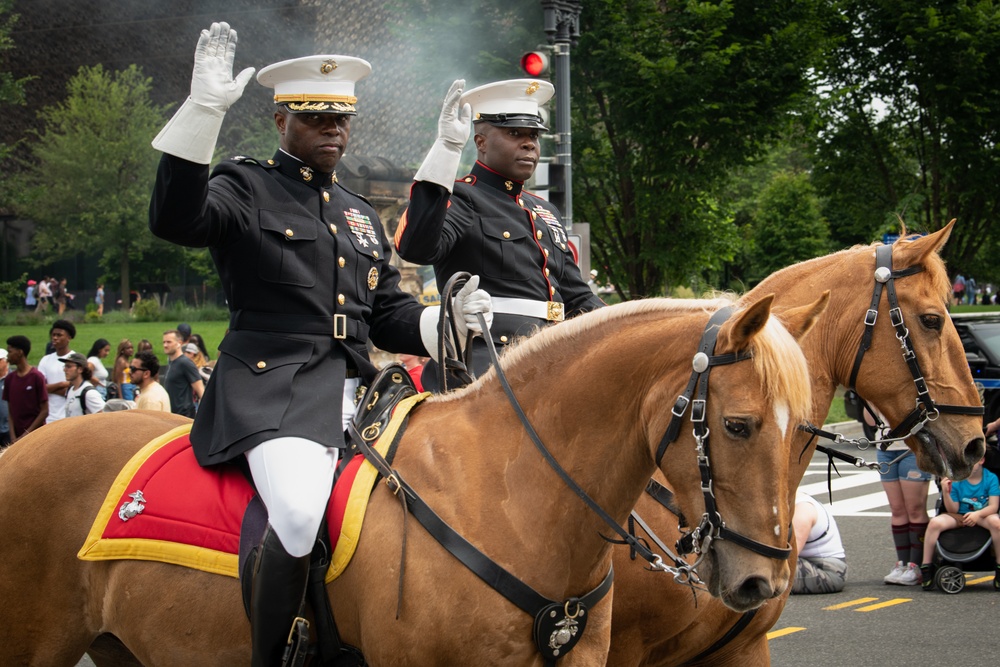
486,223
306,269
82,398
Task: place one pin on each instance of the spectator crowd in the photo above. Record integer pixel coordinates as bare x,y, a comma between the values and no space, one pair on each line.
67,383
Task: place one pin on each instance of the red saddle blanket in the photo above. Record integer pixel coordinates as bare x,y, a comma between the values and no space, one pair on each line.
165,507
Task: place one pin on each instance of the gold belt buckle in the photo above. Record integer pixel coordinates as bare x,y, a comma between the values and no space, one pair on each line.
554,311
340,327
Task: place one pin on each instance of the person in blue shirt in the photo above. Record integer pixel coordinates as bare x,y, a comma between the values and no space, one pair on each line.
971,502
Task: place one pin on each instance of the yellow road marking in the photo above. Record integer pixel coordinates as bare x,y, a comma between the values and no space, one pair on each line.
782,632
980,580
849,603
881,605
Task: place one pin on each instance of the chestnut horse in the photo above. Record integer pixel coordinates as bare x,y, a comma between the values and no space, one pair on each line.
598,390
657,622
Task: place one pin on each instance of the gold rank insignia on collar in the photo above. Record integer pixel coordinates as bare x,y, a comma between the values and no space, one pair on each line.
307,173
508,185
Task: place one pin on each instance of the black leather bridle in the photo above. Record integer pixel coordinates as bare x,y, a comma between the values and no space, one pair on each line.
711,527
926,409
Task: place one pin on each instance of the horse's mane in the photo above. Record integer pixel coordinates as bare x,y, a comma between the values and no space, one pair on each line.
932,262
776,355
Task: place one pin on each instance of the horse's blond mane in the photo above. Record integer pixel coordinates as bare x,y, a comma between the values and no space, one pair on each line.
776,355
779,362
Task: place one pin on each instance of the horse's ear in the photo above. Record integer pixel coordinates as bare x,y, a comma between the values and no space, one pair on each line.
798,321
749,322
912,253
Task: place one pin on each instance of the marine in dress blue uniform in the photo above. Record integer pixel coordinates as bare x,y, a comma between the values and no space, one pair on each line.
305,267
486,223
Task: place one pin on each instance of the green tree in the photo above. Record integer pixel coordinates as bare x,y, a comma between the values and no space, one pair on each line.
11,89
911,123
788,226
669,98
87,185
741,202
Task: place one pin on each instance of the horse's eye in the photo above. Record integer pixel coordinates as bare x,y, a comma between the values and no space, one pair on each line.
738,428
931,322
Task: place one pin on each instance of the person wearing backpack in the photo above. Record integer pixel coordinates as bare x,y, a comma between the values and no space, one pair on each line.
82,398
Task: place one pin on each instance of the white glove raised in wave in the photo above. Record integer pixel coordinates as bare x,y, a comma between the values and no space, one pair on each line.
212,82
192,132
441,164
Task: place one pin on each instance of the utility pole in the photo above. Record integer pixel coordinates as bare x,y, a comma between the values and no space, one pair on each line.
562,28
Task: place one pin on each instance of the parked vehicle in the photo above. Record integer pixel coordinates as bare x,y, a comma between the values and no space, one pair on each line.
980,334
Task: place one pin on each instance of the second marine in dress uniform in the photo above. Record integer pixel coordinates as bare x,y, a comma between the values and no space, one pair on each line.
306,271
486,223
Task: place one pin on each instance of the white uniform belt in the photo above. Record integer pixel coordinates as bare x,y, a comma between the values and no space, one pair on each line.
543,310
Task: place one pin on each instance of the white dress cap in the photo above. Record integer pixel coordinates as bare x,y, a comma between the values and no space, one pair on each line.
316,84
512,103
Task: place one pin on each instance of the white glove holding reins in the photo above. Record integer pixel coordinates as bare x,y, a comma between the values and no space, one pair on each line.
469,301
192,132
441,164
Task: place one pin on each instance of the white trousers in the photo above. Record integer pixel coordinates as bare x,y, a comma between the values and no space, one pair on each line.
294,477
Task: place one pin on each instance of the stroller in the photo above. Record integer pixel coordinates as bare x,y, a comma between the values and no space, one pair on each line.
965,549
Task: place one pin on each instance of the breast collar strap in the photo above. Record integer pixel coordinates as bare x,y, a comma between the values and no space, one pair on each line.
926,409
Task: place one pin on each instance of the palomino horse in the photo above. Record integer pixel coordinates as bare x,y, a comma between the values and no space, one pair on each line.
598,390
657,622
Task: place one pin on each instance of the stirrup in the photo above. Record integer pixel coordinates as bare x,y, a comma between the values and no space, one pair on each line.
298,644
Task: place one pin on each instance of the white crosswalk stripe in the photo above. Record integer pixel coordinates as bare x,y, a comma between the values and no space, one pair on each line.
856,491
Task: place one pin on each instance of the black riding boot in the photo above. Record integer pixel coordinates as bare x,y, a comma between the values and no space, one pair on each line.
279,583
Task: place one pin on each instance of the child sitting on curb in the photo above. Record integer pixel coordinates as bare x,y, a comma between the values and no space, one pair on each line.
970,502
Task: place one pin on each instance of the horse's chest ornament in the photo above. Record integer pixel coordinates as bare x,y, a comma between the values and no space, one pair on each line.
559,626
133,508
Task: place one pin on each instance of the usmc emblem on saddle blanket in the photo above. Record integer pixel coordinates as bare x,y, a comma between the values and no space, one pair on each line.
134,508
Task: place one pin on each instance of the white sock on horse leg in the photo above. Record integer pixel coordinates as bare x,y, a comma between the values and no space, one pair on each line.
293,478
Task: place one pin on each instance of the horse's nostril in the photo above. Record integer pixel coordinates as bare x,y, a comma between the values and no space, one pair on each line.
975,449
756,589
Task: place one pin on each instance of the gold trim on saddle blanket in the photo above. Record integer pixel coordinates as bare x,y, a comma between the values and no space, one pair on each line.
217,562
361,491
96,548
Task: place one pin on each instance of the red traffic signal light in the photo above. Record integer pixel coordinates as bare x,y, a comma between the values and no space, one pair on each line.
535,63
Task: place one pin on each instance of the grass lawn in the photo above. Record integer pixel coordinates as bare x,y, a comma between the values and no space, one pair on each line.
86,334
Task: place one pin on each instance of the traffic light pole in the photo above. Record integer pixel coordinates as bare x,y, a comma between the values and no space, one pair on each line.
562,28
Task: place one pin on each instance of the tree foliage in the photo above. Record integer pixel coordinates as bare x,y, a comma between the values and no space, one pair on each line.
912,123
87,183
669,97
11,89
788,225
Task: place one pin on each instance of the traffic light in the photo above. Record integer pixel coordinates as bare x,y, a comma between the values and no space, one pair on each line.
535,63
